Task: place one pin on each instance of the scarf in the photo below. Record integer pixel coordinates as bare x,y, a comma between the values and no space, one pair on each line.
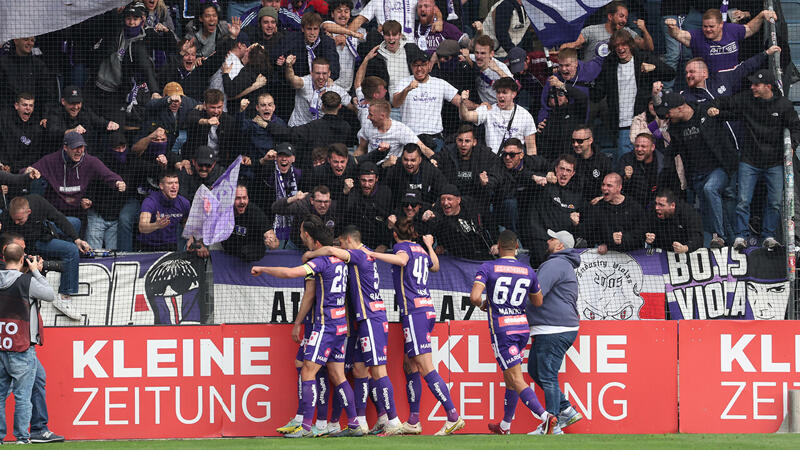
132,32
283,224
409,15
120,157
311,55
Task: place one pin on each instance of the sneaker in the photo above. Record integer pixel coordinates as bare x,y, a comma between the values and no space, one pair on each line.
496,429
770,243
65,306
290,427
568,416
548,426
392,430
379,428
412,429
332,428
716,242
300,432
349,432
364,429
739,244
23,441
450,427
45,437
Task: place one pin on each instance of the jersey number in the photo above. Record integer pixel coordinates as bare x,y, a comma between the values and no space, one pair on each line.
420,271
501,288
340,280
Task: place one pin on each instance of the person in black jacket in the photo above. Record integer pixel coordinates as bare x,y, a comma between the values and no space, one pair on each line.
192,72
513,197
457,227
275,179
23,72
250,231
205,170
673,225
74,116
616,222
568,106
213,127
338,173
765,115
644,170
167,113
367,206
708,155
309,45
303,204
251,82
410,207
592,166
414,172
470,166
23,136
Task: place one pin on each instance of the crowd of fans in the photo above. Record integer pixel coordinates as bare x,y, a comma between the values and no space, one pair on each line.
369,112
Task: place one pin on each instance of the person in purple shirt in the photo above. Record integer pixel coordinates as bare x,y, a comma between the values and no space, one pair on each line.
162,213
370,317
718,42
326,343
508,282
410,273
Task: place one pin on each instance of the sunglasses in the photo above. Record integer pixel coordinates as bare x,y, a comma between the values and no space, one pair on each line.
580,141
205,166
511,154
410,205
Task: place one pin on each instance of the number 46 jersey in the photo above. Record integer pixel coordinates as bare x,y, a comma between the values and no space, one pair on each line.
508,283
411,281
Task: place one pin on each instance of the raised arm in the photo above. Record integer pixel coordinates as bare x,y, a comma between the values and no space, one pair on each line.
682,36
397,259
428,240
646,41
281,272
755,24
295,81
463,112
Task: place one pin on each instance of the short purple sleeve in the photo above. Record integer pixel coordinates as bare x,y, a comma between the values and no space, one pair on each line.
482,275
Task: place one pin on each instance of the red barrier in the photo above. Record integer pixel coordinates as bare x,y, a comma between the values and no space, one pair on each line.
735,375
239,380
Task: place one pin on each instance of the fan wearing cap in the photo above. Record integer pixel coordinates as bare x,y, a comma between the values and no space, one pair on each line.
420,98
457,226
205,170
571,71
68,173
568,106
22,72
264,29
765,114
338,173
161,125
278,178
367,205
411,207
705,147
73,116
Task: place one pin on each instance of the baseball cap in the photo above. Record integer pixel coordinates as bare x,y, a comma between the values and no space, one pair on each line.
367,168
243,38
564,236
516,60
72,94
668,101
136,9
73,139
412,196
448,47
419,55
206,155
268,11
450,189
284,148
173,88
116,139
762,76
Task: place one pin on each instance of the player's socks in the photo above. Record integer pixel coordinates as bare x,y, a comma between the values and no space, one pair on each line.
510,405
413,391
336,410
345,394
373,394
439,390
529,399
324,392
308,400
386,395
361,391
299,412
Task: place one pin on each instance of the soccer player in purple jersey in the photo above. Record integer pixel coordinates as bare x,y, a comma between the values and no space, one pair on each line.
373,327
329,336
410,274
508,282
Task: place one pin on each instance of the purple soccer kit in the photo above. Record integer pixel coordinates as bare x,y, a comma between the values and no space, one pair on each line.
508,283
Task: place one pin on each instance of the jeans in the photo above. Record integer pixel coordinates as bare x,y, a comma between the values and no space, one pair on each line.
748,177
101,233
709,187
547,354
68,253
624,145
128,220
39,416
17,371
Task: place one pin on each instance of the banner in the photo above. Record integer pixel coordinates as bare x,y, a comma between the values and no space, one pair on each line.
559,21
240,380
25,19
735,376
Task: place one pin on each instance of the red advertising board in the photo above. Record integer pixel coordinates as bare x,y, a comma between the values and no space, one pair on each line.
735,375
240,380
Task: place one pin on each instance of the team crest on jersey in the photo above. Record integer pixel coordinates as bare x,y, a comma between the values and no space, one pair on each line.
327,352
407,335
596,173
385,327
312,338
513,350
427,337
384,349
366,346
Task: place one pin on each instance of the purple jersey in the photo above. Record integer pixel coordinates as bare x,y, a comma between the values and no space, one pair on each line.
411,281
722,54
364,285
508,283
331,275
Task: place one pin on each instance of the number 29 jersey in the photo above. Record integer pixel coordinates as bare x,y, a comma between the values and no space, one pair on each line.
508,283
330,274
411,281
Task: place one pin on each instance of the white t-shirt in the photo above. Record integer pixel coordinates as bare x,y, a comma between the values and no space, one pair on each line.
347,60
396,136
396,65
308,102
403,11
422,109
486,78
362,109
626,83
496,121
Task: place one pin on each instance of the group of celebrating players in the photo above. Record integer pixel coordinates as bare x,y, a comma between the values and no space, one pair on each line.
339,337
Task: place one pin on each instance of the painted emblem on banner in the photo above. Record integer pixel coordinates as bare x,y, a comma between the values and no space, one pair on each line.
174,288
609,286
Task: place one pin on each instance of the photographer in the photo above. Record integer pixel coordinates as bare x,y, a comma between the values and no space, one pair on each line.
43,225
20,293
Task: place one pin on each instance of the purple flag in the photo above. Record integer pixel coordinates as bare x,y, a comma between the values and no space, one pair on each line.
559,21
211,215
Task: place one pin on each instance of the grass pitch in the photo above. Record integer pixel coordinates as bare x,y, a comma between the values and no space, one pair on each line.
466,442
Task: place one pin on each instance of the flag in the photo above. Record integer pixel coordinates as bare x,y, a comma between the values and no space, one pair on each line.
211,215
559,21
37,17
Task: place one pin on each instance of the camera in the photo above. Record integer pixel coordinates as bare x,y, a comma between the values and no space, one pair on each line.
47,266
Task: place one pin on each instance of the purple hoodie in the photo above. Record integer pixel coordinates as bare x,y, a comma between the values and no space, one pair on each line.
68,180
585,75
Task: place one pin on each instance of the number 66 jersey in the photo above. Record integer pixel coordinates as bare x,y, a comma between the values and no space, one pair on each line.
508,283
